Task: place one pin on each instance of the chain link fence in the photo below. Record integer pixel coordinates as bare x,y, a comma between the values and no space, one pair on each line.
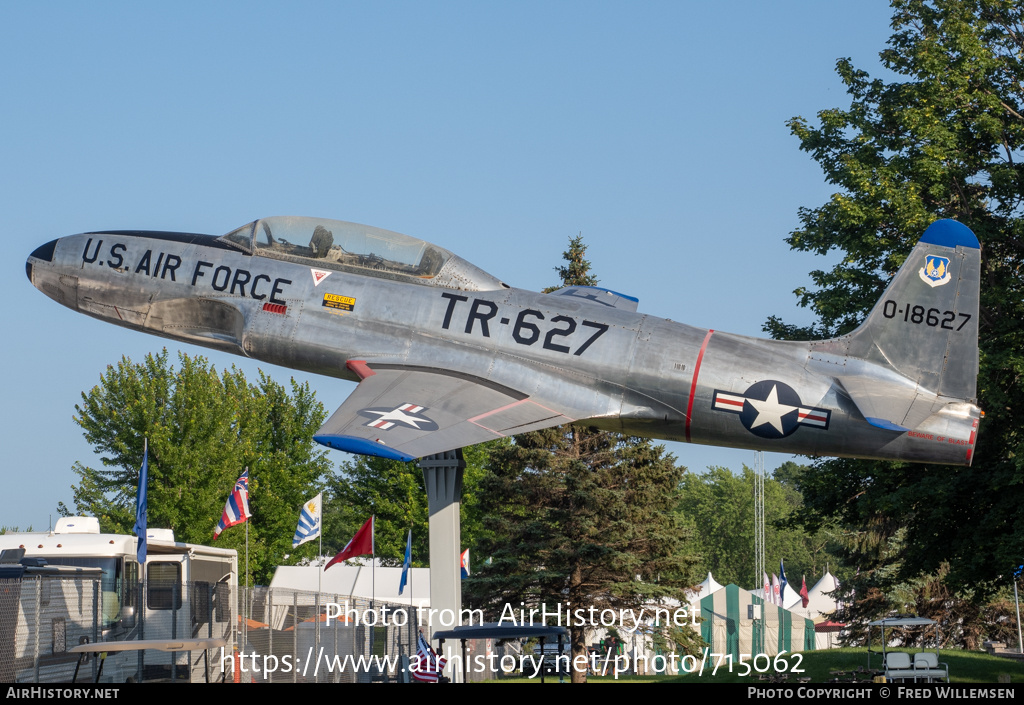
272,635
290,636
43,617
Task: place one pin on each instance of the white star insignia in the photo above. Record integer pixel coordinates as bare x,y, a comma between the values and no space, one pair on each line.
770,411
397,416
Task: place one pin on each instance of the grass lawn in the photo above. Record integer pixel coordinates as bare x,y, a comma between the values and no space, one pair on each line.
964,667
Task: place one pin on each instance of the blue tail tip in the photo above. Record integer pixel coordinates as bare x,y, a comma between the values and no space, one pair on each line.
950,233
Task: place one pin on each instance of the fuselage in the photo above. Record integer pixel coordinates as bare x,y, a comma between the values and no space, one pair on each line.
614,367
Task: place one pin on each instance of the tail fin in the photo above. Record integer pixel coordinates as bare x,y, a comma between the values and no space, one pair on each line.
921,336
925,326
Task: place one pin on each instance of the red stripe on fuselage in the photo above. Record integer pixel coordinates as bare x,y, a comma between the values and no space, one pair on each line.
974,433
693,383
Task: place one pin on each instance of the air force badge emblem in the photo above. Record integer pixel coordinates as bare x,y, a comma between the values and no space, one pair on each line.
935,271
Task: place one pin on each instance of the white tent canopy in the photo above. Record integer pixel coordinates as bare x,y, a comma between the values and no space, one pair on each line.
707,587
351,580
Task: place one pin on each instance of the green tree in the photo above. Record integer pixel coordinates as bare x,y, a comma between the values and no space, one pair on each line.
580,518
576,270
203,429
721,505
394,492
944,140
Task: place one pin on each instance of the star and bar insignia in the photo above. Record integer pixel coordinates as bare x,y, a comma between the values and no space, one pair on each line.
407,415
771,409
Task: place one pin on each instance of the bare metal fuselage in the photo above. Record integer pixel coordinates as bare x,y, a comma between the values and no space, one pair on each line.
577,356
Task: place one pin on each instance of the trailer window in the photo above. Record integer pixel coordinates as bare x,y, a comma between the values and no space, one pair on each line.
163,590
110,583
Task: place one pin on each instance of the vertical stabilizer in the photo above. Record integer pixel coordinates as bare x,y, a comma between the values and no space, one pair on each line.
925,326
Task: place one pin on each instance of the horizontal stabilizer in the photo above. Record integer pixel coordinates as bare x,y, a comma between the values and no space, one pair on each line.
891,403
887,425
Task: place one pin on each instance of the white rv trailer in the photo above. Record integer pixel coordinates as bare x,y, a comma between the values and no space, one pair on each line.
189,591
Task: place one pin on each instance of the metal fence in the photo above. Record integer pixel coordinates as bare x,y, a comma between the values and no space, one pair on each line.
293,636
43,617
272,635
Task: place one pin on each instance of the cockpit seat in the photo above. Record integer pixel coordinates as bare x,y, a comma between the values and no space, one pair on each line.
321,241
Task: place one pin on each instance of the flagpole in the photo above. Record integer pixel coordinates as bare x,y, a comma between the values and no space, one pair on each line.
409,618
1016,600
247,545
373,560
142,541
319,573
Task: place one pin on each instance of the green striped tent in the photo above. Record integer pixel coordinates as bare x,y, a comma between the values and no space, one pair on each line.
728,628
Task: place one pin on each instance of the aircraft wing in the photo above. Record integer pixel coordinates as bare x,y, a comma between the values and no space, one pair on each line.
405,412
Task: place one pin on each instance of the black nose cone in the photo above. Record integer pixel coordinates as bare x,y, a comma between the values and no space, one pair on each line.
45,252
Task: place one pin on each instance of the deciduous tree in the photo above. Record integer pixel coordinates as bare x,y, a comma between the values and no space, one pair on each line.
944,139
204,428
721,506
394,492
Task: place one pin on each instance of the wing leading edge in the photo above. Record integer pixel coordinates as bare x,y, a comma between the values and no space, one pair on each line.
405,412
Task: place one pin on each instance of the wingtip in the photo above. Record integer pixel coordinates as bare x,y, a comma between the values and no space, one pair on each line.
362,446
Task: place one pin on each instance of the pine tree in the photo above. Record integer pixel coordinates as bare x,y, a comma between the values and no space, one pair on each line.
580,517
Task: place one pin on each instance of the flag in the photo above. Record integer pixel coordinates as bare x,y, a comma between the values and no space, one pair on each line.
775,590
426,665
359,545
782,583
236,509
767,589
465,564
141,514
309,521
805,597
1020,571
407,563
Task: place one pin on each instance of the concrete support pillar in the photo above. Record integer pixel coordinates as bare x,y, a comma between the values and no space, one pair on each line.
442,475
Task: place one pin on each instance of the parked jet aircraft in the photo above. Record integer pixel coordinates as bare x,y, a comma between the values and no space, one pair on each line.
448,356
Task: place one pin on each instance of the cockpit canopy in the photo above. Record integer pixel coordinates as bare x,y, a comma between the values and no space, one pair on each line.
339,245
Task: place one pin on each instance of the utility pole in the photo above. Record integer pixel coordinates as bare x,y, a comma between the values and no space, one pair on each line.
759,547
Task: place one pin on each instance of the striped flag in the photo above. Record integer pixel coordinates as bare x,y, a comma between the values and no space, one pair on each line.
309,521
236,510
426,665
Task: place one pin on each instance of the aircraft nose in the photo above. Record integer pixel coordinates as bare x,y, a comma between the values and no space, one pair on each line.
43,253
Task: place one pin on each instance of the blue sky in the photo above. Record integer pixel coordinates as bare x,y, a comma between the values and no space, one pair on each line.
496,130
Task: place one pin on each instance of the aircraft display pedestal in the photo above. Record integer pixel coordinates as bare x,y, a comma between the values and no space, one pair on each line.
442,475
